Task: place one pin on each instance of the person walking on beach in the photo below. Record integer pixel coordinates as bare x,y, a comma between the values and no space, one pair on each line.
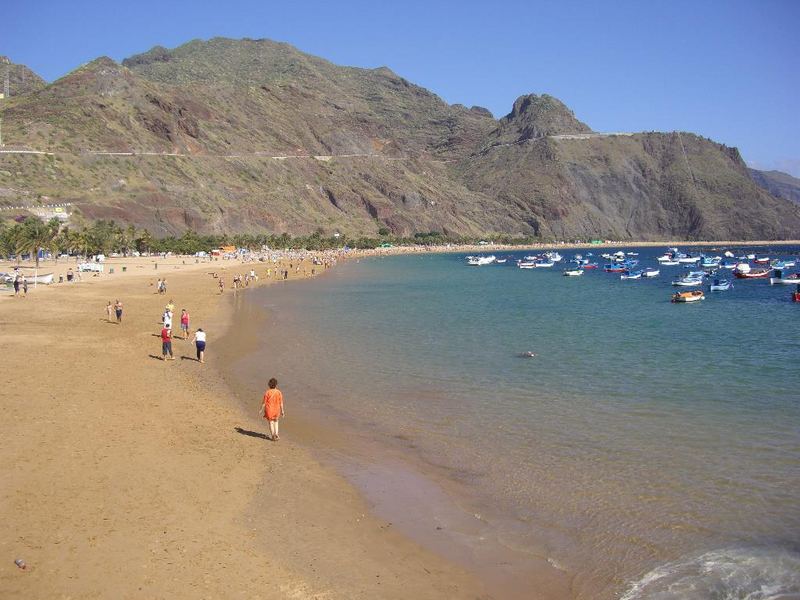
272,410
199,340
166,343
118,311
185,323
221,285
109,312
16,285
166,318
158,286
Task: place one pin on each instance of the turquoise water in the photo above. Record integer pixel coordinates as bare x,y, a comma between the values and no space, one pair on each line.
643,438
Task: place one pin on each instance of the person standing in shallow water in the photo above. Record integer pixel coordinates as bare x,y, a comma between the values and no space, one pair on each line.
272,409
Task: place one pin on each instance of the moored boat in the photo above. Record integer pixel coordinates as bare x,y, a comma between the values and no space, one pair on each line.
720,285
692,296
780,277
688,281
650,272
44,278
631,275
573,272
479,261
752,273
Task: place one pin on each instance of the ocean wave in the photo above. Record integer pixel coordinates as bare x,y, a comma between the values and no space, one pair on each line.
755,573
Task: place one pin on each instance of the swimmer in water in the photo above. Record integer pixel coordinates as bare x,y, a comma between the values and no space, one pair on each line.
527,354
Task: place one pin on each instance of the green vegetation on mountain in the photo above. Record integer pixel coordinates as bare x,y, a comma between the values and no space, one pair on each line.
254,136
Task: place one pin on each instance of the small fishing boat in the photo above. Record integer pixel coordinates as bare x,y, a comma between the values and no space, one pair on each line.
589,266
614,268
479,261
669,263
789,262
631,275
761,260
752,273
692,296
751,257
526,264
720,285
728,254
553,256
543,264
688,260
501,261
726,264
688,281
781,278
573,272
782,264
650,272
710,262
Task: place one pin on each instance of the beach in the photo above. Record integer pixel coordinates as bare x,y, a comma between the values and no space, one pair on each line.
129,477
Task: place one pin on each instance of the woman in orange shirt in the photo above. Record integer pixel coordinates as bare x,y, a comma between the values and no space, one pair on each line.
272,410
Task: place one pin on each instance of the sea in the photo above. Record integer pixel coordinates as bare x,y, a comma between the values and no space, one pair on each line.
641,448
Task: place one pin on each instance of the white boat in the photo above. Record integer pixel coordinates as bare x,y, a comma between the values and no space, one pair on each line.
479,261
720,285
650,272
526,264
573,272
742,267
689,259
553,256
688,281
669,263
501,261
793,279
728,254
631,275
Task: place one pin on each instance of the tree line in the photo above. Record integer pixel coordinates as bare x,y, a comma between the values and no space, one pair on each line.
33,236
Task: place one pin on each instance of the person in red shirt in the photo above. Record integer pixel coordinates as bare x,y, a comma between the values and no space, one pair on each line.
166,343
185,323
272,409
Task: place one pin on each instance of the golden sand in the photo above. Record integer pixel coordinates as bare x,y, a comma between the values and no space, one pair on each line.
125,476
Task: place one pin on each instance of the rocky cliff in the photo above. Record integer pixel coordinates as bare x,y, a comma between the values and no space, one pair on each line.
254,135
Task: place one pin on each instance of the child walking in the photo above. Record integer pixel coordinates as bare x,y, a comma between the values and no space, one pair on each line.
272,410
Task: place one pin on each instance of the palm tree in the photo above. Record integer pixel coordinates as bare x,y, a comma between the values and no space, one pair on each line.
37,235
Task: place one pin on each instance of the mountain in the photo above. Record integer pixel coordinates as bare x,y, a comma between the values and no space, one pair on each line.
254,135
778,184
21,79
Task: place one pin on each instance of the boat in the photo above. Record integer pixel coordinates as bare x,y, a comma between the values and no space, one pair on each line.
789,262
479,261
742,267
781,278
573,272
669,263
782,264
553,256
721,285
751,257
688,259
589,266
688,281
650,272
631,275
761,260
526,264
543,264
501,261
752,273
692,296
614,268
710,262
728,254
726,264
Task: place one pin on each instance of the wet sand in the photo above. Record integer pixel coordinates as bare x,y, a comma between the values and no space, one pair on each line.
129,477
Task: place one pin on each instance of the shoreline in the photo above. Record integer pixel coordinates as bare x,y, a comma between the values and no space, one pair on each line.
160,499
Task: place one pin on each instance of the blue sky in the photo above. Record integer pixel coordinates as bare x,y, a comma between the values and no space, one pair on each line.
728,70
